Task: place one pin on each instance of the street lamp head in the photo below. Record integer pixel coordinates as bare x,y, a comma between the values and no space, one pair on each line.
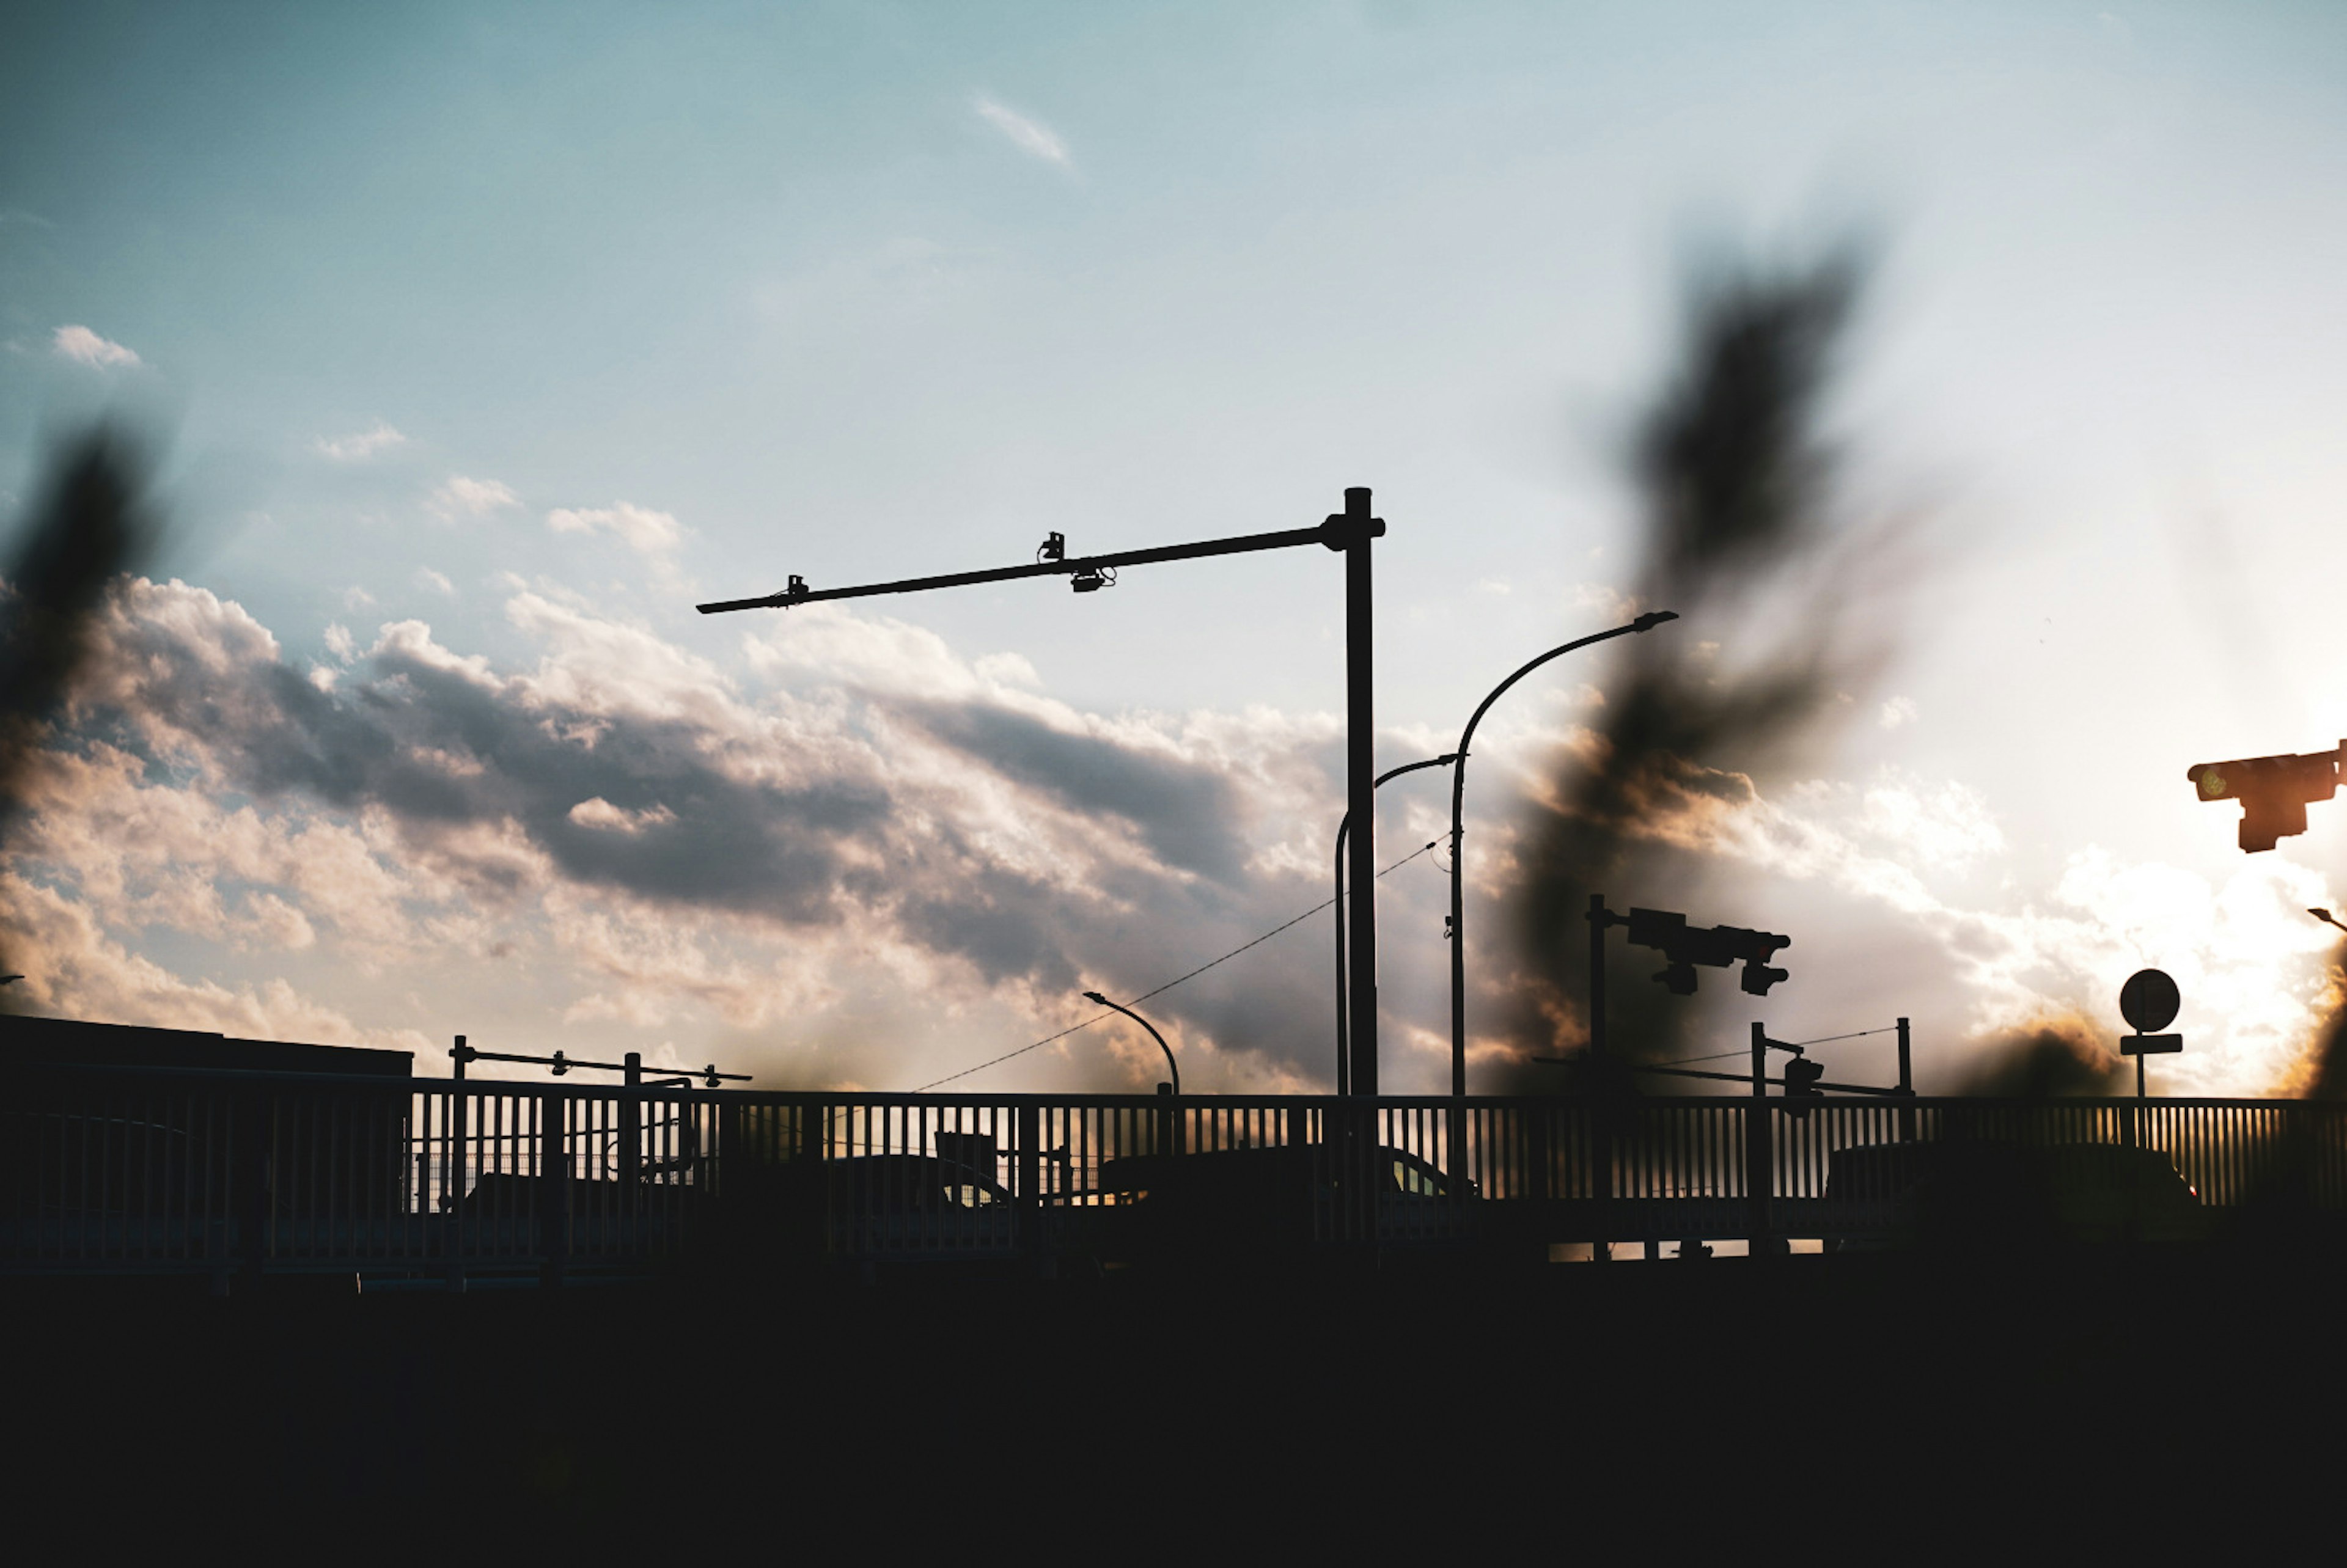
2326,918
1096,997
1652,618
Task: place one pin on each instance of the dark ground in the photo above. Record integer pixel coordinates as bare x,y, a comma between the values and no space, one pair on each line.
1648,1403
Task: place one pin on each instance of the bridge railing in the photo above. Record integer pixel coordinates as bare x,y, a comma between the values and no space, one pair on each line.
146,1169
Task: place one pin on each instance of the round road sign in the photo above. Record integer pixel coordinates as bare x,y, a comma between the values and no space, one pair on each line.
2148,1000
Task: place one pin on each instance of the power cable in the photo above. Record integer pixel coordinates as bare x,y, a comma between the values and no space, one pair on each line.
1826,1040
1861,1034
1168,986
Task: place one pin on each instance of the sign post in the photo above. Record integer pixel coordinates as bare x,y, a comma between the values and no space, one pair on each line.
2149,1001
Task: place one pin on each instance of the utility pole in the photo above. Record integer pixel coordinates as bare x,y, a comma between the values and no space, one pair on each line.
1349,532
1361,784
1759,1167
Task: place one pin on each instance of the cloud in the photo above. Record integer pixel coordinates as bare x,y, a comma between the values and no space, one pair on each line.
1897,711
439,582
464,497
641,529
72,963
1600,599
601,813
1186,812
81,343
364,443
849,852
1029,136
677,846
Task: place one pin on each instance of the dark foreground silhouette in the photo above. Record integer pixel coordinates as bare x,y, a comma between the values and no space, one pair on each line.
933,1409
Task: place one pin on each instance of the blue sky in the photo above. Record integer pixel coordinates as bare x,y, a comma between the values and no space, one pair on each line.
595,313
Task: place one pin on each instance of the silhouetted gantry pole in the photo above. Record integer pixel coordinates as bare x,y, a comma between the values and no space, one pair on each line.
1350,532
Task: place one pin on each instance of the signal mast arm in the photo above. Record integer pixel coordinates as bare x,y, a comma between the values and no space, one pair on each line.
1087,570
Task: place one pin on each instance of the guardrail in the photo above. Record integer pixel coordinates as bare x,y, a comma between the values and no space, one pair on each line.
144,1170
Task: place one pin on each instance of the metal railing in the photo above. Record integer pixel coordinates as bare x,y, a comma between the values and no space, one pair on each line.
144,1169
243,1172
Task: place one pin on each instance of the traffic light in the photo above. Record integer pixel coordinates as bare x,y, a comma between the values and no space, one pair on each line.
1801,1077
1717,946
1754,948
2274,791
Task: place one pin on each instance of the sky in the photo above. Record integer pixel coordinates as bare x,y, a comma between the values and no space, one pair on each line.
479,343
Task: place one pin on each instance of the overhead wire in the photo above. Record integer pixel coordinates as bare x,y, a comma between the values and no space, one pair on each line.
1803,1044
1168,984
1861,1034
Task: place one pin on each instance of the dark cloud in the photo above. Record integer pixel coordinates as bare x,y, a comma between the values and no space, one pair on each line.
1189,814
1001,923
2055,1058
88,527
1741,538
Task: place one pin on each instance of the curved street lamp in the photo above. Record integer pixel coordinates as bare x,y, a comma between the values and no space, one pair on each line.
1645,622
1345,826
1171,1065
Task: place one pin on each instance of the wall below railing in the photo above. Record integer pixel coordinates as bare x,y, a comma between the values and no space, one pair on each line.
242,1174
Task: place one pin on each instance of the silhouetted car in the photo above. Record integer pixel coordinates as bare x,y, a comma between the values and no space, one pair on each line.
897,1206
2105,1193
1983,1194
1242,1202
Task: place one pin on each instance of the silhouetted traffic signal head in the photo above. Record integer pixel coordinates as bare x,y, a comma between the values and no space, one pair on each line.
1754,949
1686,946
2274,791
1801,1077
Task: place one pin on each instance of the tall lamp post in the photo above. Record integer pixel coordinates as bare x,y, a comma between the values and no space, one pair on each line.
1645,622
1171,1065
1344,1058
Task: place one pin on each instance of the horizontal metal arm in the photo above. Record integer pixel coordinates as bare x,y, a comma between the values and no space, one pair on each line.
1742,1078
561,1063
1333,534
1747,1078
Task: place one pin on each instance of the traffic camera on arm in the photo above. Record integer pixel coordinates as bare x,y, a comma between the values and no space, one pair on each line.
2274,791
